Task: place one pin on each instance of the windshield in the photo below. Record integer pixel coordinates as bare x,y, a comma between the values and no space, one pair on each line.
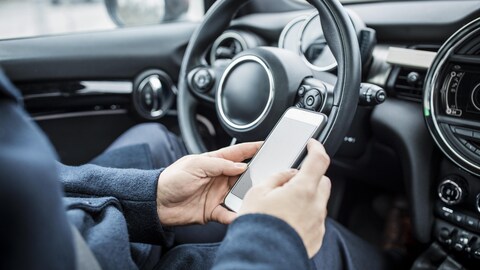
26,18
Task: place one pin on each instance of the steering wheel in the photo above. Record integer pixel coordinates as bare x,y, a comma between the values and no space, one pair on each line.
258,85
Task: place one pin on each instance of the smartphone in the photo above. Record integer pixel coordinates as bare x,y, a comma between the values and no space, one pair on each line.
284,148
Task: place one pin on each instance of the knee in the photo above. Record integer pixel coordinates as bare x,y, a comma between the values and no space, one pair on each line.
156,129
164,145
153,134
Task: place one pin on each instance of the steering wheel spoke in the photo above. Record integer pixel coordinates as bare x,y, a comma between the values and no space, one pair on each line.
201,81
315,95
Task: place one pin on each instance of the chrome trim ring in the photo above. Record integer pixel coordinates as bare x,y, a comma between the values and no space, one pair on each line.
472,97
271,92
112,111
226,35
428,102
162,94
156,86
302,32
286,30
477,201
460,192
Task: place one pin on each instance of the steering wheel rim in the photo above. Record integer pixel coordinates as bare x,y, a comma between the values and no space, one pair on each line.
341,38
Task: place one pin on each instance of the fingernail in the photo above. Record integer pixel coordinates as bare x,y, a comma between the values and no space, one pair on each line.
240,165
293,171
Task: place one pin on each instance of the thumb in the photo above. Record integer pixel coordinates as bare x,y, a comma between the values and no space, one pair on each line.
213,166
221,215
279,179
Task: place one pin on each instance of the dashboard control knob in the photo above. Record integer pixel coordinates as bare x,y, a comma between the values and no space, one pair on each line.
312,99
458,247
203,79
413,77
476,254
371,95
301,91
381,96
461,243
452,190
444,234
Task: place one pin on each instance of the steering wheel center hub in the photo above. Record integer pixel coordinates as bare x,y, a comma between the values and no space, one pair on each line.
255,89
245,93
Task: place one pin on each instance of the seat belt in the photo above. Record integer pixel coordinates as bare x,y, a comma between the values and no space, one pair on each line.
84,258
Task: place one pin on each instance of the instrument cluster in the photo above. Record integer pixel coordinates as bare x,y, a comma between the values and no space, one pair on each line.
461,92
304,35
452,98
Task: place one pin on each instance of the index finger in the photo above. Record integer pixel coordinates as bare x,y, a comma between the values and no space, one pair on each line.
238,152
314,165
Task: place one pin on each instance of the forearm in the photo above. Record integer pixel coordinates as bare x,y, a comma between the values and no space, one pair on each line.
135,189
276,245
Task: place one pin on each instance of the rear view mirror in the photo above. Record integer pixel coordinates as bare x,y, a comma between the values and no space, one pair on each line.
144,12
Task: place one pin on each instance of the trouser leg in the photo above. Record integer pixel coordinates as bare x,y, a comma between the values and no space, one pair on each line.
341,249
164,146
189,257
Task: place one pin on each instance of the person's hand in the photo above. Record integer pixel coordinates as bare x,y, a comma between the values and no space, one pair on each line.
297,197
191,190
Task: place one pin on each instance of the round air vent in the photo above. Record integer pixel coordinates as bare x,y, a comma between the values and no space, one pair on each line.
231,43
154,94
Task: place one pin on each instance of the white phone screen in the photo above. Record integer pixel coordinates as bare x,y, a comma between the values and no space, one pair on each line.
279,153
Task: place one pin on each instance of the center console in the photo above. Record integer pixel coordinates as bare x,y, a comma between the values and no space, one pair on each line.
456,227
451,105
457,213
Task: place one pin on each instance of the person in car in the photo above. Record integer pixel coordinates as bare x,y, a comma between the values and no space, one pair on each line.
124,205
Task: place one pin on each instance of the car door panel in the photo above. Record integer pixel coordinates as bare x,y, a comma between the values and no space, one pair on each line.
52,73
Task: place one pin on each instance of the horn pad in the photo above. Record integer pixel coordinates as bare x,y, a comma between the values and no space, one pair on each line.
256,89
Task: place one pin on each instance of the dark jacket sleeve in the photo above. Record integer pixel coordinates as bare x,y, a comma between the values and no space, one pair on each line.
261,242
33,226
135,190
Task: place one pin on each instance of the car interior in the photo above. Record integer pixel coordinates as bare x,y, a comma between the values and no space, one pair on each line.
399,81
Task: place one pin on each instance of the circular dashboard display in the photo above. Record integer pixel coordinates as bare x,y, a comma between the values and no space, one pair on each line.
452,98
313,45
291,33
476,97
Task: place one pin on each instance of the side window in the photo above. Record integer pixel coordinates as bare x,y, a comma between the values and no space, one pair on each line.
28,18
